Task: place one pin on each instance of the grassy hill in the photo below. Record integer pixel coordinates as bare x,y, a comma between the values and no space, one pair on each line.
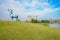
27,31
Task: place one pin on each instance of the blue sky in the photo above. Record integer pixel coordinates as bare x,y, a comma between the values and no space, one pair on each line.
43,9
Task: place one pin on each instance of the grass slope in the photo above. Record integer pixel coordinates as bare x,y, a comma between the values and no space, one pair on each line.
27,31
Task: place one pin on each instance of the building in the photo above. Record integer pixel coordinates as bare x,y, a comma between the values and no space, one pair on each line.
30,17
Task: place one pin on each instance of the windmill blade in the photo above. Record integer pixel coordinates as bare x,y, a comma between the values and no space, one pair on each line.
10,10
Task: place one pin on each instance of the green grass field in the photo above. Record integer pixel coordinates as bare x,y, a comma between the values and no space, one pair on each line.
27,31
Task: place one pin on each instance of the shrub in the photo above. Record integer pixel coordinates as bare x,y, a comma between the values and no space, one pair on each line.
34,21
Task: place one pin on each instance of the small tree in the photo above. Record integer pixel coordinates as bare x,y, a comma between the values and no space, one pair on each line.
34,21
42,21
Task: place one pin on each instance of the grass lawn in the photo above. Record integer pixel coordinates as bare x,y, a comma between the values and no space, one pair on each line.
27,31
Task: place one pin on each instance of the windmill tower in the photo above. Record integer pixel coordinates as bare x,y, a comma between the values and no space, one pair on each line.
12,15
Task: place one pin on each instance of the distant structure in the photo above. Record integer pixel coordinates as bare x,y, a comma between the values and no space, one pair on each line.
12,15
54,21
30,17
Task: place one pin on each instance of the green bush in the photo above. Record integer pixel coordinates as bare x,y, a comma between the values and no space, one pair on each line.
34,21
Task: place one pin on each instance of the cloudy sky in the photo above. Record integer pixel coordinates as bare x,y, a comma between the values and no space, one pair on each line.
43,9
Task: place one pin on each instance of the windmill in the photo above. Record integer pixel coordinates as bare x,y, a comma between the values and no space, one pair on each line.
12,15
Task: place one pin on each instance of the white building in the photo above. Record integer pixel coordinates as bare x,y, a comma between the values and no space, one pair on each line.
31,17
